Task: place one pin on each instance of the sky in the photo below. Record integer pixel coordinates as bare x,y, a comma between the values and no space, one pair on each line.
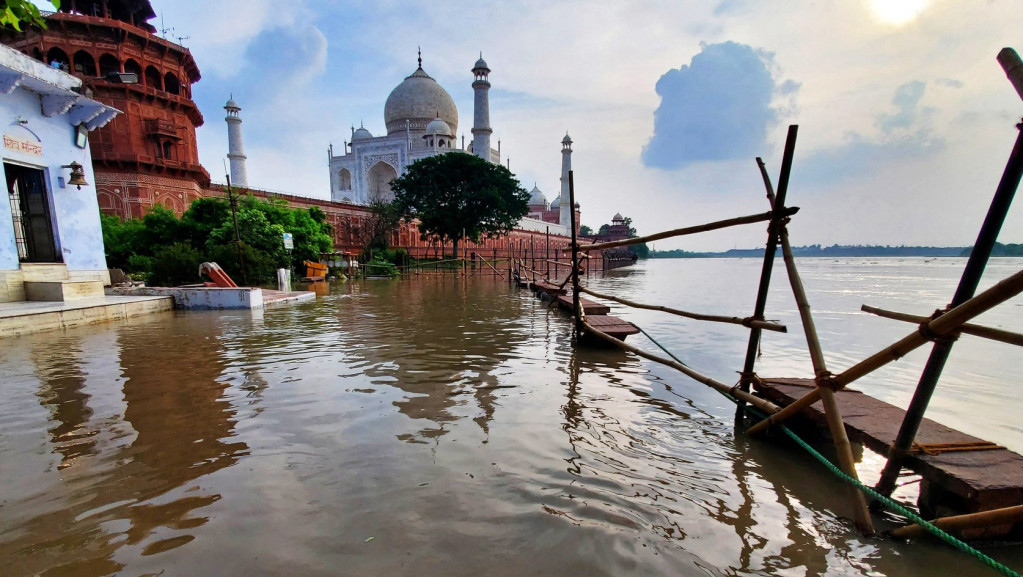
906,120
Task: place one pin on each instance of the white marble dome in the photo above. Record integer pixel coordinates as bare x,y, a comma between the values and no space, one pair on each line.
361,134
556,203
438,127
418,100
536,196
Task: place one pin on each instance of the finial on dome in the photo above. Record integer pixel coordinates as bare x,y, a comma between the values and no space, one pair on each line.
420,56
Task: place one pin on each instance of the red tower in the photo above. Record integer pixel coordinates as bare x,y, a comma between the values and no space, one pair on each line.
147,155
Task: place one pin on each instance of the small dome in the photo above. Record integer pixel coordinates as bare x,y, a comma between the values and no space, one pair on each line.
438,127
361,134
556,202
617,217
481,63
232,104
567,139
536,196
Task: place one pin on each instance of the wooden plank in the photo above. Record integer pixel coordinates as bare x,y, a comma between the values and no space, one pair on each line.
981,479
613,326
549,288
589,307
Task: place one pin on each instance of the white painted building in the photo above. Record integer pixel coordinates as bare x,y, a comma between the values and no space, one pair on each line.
51,242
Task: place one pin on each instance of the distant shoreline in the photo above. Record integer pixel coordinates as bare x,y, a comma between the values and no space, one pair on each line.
817,251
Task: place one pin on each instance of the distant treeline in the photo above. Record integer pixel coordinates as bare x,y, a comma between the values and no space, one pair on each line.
816,250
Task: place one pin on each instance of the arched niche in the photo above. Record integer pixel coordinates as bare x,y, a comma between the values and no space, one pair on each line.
108,63
171,84
84,63
153,78
379,182
344,179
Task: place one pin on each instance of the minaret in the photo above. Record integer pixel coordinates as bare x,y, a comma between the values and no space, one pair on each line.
481,130
235,150
564,204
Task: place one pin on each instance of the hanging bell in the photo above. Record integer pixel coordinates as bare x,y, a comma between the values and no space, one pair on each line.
77,175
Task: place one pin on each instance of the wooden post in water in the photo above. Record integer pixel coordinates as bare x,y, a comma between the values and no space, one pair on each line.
547,251
843,448
999,208
777,203
576,309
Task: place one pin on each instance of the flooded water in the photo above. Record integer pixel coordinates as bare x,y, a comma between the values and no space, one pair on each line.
447,426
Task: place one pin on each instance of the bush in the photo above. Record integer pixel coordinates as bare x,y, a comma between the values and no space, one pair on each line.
175,265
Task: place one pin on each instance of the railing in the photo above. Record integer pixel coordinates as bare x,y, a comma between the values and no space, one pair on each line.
940,329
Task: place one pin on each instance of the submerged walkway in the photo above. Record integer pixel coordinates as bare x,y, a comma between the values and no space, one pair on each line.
972,473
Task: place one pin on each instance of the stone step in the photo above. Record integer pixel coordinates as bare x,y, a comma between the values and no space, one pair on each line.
63,291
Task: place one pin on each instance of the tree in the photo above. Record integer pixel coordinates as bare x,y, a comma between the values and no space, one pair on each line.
14,12
167,250
585,231
458,195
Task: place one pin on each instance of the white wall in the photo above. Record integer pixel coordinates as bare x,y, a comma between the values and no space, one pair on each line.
75,212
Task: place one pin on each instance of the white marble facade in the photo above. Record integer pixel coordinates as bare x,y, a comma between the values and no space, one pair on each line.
421,120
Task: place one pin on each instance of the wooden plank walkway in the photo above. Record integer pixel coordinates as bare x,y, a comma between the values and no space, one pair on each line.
548,288
977,480
612,326
589,307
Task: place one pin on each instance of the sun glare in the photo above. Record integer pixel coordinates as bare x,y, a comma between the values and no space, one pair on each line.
897,12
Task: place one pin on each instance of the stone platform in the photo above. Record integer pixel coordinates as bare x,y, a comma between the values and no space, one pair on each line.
18,318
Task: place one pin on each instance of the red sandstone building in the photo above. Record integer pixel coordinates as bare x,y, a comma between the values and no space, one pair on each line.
147,155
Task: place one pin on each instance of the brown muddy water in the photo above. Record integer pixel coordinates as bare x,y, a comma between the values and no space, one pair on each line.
429,426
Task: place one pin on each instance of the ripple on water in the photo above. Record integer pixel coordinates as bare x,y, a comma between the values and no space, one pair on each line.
444,424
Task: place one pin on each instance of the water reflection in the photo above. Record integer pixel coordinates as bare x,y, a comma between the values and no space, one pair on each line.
444,339
452,420
127,482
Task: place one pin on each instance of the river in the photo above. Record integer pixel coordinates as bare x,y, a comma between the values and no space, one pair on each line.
443,425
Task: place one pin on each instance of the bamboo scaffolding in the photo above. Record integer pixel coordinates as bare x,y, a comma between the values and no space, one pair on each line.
747,322
969,329
843,448
975,265
960,522
497,272
762,404
777,204
938,327
751,219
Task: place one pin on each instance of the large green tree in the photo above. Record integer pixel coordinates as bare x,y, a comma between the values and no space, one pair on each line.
459,196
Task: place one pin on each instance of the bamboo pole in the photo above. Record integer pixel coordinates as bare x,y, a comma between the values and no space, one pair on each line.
982,247
938,327
753,218
777,203
970,329
843,448
577,310
491,267
748,321
959,522
762,404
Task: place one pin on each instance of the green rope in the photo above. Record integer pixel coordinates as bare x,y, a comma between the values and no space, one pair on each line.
666,351
893,505
869,491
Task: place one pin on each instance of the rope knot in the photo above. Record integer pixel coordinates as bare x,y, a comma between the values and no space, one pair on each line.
827,379
925,330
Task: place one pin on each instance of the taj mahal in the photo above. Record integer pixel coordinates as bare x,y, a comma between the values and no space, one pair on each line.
421,120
